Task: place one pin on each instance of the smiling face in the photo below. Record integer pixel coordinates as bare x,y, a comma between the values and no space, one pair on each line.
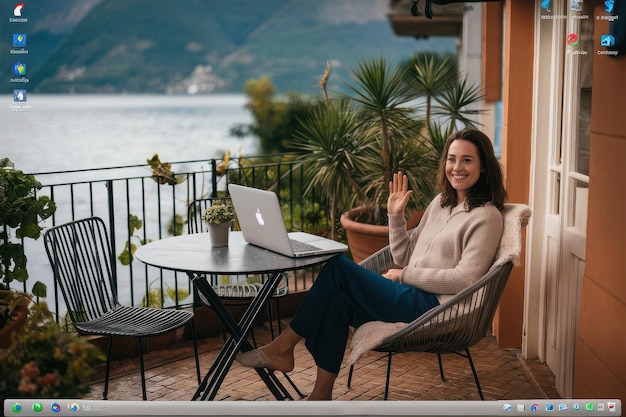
463,167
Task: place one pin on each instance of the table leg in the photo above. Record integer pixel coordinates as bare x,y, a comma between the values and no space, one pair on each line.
237,341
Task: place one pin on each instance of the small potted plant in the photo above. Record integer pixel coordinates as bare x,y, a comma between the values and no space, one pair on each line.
219,217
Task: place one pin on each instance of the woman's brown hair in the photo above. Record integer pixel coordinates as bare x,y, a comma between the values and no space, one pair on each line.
490,186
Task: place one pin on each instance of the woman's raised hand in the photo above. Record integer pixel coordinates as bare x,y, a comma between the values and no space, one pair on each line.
399,194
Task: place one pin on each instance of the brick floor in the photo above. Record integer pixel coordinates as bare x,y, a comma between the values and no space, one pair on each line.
171,375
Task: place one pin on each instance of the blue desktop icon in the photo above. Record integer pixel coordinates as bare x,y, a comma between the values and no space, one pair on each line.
545,4
607,40
608,6
19,39
19,69
575,406
19,96
549,407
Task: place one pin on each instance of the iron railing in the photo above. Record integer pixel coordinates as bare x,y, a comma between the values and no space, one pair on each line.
138,206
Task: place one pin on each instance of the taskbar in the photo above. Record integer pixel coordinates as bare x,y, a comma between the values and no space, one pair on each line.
517,408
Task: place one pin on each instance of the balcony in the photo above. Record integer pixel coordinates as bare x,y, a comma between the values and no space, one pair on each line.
170,375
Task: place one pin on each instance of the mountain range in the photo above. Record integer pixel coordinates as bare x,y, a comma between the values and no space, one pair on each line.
195,46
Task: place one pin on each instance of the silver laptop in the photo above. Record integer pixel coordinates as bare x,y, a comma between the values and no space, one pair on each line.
262,224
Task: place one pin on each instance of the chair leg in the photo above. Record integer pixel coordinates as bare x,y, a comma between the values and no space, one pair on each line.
270,318
141,366
388,375
443,378
280,330
108,369
469,358
195,348
350,376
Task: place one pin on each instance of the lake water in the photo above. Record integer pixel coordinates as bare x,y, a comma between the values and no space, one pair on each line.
61,133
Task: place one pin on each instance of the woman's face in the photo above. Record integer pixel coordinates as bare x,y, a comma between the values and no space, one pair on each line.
462,167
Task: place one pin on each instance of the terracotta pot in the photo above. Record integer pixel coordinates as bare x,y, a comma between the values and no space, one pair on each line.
19,320
365,239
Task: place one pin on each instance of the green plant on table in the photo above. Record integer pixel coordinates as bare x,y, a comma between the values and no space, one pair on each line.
218,213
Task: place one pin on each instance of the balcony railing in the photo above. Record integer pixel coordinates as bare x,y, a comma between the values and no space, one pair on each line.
139,207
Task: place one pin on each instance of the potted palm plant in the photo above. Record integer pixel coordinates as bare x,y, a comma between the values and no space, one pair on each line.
397,118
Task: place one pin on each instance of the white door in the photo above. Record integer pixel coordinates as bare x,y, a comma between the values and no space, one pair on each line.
560,181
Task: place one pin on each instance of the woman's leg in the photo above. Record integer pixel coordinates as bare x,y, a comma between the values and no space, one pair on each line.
345,295
323,389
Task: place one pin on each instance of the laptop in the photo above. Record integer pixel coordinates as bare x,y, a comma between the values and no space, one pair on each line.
262,224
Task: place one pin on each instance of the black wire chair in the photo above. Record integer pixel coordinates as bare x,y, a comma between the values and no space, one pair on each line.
457,324
84,268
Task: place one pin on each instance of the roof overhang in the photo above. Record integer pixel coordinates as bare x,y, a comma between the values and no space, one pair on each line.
447,20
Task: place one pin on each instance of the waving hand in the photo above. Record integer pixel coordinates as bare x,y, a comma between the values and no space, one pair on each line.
399,194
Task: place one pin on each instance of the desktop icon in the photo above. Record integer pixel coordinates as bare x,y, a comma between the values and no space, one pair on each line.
608,6
19,69
17,10
37,407
74,407
545,5
611,406
562,407
16,407
19,96
572,39
589,407
549,407
534,407
19,39
600,407
507,407
521,407
576,407
607,40
55,407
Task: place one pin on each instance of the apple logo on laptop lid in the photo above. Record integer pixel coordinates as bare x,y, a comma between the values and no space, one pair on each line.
259,217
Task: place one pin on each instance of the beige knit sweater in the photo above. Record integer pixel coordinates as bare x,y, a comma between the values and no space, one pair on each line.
449,250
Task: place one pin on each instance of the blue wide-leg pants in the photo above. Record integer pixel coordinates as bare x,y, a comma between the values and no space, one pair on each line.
347,295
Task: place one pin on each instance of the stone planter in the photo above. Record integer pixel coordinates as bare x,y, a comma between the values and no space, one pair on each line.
364,239
219,233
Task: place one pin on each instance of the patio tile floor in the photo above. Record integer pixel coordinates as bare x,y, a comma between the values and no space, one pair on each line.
170,375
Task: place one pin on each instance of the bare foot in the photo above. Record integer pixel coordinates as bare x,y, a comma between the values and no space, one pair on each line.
282,360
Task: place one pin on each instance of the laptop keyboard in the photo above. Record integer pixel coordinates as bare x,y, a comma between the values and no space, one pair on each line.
302,247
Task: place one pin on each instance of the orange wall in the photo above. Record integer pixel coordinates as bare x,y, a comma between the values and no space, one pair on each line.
516,150
600,363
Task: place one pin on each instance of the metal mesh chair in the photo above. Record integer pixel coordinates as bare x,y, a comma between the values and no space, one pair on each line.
81,259
454,326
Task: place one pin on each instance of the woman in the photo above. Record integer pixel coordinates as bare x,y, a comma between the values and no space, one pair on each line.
453,246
